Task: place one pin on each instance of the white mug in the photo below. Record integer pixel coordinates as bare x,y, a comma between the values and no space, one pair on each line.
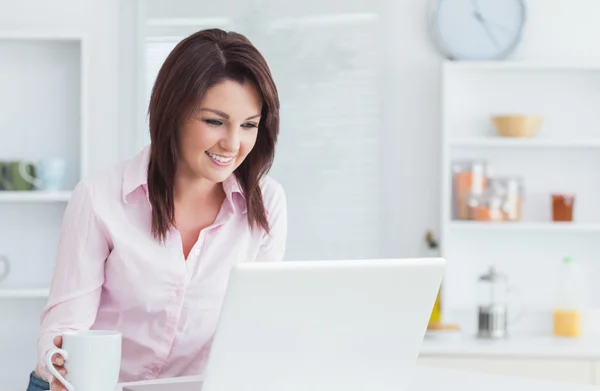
92,360
49,173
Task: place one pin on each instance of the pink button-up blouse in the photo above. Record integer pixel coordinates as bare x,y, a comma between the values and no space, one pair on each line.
111,274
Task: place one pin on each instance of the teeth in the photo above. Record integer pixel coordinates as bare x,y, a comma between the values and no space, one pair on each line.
220,159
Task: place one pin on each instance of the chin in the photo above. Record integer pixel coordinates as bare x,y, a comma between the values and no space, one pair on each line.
216,175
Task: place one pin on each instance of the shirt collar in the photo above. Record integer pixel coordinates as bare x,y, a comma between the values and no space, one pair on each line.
135,176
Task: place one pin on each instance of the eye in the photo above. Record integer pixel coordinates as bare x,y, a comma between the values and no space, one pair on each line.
250,125
213,122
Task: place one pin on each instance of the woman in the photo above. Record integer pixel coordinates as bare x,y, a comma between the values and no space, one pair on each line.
147,245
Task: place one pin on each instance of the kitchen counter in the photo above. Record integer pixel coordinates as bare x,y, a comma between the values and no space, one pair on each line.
424,379
517,346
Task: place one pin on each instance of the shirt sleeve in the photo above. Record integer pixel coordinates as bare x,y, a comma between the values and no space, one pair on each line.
78,274
274,243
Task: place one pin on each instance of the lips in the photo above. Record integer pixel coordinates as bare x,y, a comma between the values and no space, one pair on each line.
220,159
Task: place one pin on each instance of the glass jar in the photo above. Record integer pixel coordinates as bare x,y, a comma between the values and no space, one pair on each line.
562,207
490,206
468,180
512,190
514,198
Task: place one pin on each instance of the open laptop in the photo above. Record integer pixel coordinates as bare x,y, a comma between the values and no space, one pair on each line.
351,325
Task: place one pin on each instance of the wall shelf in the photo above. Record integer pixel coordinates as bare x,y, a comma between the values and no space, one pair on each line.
34,196
525,226
24,293
26,35
498,142
517,65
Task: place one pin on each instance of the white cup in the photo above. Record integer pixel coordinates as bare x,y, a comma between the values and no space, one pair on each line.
92,360
49,173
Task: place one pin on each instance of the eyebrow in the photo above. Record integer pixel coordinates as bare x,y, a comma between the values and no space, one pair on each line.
225,115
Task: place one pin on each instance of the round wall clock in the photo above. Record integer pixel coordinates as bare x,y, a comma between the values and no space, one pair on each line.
477,29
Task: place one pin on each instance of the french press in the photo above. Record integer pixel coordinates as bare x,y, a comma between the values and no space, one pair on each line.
493,305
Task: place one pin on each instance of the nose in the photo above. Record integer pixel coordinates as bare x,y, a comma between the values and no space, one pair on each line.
231,141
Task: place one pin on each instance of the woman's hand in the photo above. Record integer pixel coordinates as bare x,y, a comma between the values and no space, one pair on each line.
59,363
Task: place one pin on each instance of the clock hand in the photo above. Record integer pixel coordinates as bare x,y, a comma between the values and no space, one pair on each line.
490,21
481,20
478,14
496,24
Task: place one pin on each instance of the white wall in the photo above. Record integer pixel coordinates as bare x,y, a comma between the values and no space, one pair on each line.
411,155
99,20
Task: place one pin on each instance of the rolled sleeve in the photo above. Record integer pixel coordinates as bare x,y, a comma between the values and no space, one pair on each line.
78,274
274,243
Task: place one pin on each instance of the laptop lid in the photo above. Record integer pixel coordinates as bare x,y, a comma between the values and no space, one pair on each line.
323,325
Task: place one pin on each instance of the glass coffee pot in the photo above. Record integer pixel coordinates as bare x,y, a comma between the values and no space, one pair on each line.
493,294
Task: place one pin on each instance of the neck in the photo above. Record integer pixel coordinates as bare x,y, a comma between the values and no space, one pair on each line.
195,189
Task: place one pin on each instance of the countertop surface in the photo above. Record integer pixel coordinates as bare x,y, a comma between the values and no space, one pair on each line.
434,379
424,379
520,345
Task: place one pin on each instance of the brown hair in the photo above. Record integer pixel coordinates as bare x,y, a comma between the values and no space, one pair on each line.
196,64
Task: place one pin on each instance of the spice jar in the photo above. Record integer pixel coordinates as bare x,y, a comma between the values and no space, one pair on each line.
562,207
468,180
490,205
512,188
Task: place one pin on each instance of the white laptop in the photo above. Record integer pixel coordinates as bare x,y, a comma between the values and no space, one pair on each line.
351,325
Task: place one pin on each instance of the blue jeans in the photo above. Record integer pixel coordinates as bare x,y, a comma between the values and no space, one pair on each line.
37,384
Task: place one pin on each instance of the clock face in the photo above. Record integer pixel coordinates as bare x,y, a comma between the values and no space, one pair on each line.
478,29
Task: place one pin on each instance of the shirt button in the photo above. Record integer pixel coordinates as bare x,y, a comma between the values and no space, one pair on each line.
197,252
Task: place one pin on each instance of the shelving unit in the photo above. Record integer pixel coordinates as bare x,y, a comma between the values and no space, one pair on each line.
43,107
563,157
43,114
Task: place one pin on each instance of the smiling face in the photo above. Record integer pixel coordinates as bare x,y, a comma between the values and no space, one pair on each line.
220,132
